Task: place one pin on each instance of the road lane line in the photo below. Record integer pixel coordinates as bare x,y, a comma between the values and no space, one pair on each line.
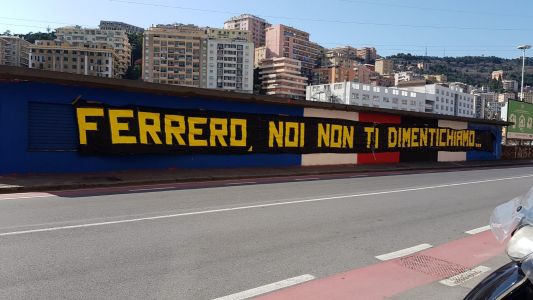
404,252
259,206
268,288
465,276
25,196
478,230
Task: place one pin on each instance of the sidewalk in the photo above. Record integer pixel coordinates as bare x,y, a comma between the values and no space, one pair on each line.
48,182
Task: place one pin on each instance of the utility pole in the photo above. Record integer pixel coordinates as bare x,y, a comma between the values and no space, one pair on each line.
523,48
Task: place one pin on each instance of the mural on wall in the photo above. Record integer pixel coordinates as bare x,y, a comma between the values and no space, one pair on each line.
105,129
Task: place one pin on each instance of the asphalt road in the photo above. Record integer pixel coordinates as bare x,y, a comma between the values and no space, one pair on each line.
211,242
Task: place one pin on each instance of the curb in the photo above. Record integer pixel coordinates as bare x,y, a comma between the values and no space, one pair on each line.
59,187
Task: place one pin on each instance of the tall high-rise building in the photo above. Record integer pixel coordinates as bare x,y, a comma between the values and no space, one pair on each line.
229,61
114,25
87,59
281,76
14,51
384,66
255,25
116,39
172,54
285,41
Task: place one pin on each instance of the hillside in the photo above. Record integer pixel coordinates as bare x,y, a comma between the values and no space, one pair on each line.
474,70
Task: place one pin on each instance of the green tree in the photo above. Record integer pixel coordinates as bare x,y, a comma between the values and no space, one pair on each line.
134,71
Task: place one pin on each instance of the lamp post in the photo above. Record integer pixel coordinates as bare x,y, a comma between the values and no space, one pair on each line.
523,48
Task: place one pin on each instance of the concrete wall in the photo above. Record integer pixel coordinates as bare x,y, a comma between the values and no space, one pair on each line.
22,131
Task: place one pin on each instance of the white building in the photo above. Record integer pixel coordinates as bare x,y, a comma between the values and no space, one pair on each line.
445,100
230,65
367,95
488,105
510,85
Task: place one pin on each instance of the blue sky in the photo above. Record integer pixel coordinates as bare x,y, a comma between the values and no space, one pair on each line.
451,27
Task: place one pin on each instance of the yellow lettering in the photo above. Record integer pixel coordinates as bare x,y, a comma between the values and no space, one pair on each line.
83,125
442,140
151,129
406,137
238,123
423,137
393,137
302,134
323,135
117,127
291,134
196,131
275,133
218,130
414,137
336,136
369,131
174,131
347,137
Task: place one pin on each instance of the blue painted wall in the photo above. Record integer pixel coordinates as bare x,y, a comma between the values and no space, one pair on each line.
497,145
15,156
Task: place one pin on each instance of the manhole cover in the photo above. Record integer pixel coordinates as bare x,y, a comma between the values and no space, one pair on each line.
431,266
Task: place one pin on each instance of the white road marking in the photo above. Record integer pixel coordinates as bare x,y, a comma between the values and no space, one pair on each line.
151,189
261,206
24,196
268,288
465,276
478,230
242,182
404,252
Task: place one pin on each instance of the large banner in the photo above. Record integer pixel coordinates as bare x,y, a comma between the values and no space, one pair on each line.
521,114
106,129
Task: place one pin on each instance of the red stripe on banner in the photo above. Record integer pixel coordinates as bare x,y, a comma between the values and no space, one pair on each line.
393,277
379,158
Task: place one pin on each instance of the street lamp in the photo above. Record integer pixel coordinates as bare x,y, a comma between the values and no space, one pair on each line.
523,48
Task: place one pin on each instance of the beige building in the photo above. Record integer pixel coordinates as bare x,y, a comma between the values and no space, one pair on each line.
367,53
232,34
114,39
333,74
174,54
260,54
285,41
14,51
255,25
362,74
497,75
281,76
341,56
89,59
441,78
384,66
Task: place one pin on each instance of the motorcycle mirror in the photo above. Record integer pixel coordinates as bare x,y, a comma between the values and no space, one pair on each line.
520,246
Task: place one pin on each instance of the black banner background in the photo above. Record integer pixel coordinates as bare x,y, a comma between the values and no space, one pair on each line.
99,140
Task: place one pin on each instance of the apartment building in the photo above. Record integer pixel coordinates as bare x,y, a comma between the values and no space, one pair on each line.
3,45
345,56
440,78
115,39
446,100
260,54
510,85
352,93
367,54
333,74
229,34
407,76
229,65
285,41
282,77
255,25
114,25
14,51
384,66
89,59
362,74
174,54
